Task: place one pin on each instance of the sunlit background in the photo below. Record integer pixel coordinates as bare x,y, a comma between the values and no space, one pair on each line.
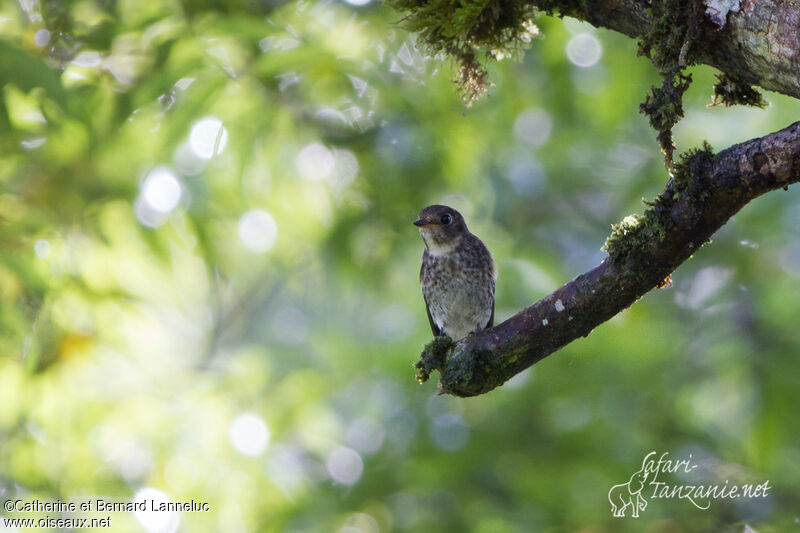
209,277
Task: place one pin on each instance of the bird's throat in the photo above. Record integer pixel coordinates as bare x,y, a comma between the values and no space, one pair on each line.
439,248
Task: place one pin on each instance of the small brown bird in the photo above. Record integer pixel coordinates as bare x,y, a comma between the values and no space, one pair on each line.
457,274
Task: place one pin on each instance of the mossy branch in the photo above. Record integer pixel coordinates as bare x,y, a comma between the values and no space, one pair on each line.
433,357
755,45
670,47
704,191
758,45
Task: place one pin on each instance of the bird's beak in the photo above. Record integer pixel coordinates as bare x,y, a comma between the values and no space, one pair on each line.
420,223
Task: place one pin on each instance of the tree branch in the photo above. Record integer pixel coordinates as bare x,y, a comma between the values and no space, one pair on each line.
704,193
759,45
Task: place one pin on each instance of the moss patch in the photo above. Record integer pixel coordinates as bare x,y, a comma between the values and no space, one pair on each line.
729,91
687,171
676,25
477,371
433,357
636,233
468,30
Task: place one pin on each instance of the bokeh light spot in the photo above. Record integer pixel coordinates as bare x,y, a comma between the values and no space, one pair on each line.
41,248
347,167
345,466
360,523
365,435
258,231
584,50
249,434
315,162
41,37
151,520
533,126
161,190
208,137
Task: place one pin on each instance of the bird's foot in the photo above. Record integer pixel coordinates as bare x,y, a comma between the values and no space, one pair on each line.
433,357
474,331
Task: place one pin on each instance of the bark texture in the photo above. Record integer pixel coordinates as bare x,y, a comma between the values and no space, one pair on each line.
760,44
693,206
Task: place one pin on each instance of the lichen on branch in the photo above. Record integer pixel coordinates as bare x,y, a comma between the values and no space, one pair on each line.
470,31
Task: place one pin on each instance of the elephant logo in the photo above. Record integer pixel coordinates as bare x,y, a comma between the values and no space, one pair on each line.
629,494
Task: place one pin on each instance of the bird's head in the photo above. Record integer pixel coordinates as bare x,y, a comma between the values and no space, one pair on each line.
441,228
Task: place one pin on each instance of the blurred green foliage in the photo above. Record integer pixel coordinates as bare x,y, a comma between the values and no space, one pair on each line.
208,277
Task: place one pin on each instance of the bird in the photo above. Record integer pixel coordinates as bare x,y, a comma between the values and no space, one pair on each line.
457,275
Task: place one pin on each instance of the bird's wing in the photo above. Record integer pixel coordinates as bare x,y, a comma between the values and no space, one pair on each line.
492,283
434,328
490,323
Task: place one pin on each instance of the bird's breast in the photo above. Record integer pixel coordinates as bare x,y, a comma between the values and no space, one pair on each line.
458,290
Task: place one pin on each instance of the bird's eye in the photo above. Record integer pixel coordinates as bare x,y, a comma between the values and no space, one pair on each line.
446,219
